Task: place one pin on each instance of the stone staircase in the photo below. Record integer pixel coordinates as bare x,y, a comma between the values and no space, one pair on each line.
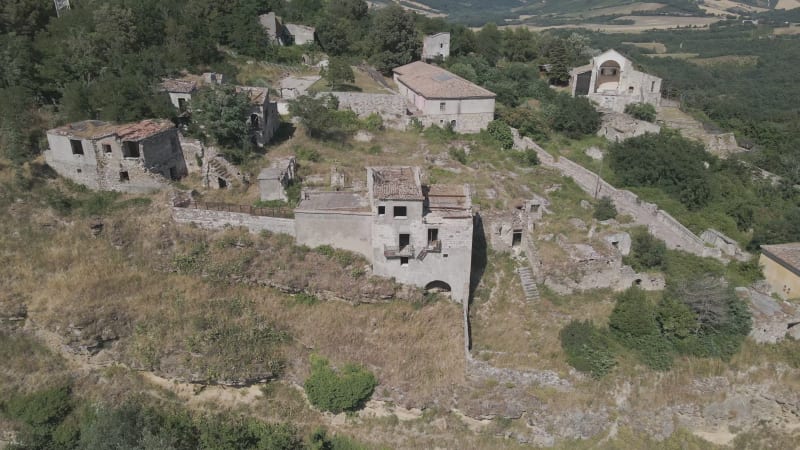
528,283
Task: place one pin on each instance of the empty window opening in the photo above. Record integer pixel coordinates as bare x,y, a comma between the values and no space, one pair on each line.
638,281
173,173
534,208
442,106
404,240
452,124
77,146
630,89
441,45
400,212
433,235
79,171
516,238
403,262
608,71
222,183
182,104
123,176
254,121
106,149
381,211
652,86
130,149
615,243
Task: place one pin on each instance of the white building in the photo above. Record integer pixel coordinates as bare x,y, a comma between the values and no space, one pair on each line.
418,235
441,98
273,180
436,46
611,81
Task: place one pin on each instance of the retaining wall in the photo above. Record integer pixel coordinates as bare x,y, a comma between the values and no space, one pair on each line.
210,219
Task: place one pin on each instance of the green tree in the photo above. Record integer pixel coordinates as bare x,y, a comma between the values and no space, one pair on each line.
489,43
634,324
647,252
394,37
321,119
605,209
575,117
641,111
339,72
219,115
346,390
501,132
588,348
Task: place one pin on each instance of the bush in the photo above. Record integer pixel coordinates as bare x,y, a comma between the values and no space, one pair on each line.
588,348
347,390
458,154
605,209
527,157
373,122
647,252
633,323
575,117
307,154
641,111
501,132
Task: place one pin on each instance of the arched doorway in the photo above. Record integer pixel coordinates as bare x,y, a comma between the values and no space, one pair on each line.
437,286
608,76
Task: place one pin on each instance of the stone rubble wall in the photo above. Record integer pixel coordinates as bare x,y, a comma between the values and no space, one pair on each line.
210,219
391,107
660,223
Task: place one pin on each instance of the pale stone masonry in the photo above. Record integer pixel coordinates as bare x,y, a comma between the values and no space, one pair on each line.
611,81
137,157
438,97
436,46
273,180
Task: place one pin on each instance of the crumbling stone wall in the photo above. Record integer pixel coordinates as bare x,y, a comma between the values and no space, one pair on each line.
209,219
391,107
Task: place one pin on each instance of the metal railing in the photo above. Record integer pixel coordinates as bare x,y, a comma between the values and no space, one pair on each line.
390,251
434,247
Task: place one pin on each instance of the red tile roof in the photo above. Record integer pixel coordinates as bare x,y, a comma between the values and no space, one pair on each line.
430,81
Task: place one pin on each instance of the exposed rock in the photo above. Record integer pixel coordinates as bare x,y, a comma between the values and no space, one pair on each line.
619,241
364,136
96,226
585,204
578,223
772,319
594,153
616,127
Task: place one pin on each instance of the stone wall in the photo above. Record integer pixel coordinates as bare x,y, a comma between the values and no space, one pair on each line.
209,219
660,223
391,107
341,229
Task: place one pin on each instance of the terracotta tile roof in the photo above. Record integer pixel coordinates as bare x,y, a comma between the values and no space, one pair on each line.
144,129
788,255
434,82
258,95
178,85
450,198
87,129
395,183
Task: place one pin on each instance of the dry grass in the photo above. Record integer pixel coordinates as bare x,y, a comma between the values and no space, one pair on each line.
363,83
657,47
746,60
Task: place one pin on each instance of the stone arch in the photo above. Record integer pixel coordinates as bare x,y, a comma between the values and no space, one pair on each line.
438,286
608,76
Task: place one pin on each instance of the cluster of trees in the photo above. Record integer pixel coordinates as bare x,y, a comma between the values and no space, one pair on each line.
701,317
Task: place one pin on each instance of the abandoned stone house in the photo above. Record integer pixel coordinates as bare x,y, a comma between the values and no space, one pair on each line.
137,157
438,97
436,47
180,90
611,81
781,266
286,34
263,119
273,181
418,235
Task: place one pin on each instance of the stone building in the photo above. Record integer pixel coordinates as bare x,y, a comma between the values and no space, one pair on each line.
781,267
418,235
436,47
438,97
180,90
137,157
301,34
611,81
273,181
286,34
263,118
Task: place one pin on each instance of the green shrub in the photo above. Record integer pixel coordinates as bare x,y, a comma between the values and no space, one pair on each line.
641,111
307,154
501,132
373,122
346,390
633,324
458,154
588,348
438,134
605,209
647,252
306,299
527,157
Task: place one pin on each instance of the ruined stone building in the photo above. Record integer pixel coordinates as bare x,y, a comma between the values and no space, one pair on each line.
136,157
286,34
436,46
180,90
418,235
273,181
438,97
263,119
781,266
611,81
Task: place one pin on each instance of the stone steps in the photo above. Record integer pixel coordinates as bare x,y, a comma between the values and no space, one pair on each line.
528,283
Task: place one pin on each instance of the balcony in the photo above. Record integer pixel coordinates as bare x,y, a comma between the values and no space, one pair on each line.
434,247
398,252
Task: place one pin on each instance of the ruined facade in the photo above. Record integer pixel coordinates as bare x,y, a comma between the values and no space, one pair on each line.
273,181
301,34
611,81
286,34
137,157
263,119
438,97
418,235
436,46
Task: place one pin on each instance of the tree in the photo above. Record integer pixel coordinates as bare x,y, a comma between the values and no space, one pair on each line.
346,390
641,111
219,114
395,39
647,252
575,117
519,45
588,348
338,72
634,325
321,119
501,132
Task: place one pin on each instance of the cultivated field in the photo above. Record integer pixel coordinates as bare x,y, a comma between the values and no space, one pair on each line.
641,24
614,10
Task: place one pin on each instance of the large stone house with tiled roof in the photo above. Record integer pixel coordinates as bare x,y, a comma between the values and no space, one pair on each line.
781,266
438,97
136,157
416,234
